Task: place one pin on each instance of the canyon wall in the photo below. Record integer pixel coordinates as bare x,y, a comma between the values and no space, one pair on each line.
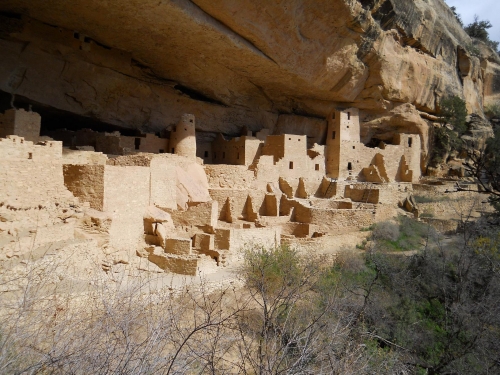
140,65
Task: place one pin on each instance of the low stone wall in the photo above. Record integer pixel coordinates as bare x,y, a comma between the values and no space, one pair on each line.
229,176
331,220
234,239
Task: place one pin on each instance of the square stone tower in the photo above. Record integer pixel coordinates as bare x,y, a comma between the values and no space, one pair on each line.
342,137
21,123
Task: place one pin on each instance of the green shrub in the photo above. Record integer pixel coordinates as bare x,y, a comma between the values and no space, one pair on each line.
406,234
453,111
267,270
493,110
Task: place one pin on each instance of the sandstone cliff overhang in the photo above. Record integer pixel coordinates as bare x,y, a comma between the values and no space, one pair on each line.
236,63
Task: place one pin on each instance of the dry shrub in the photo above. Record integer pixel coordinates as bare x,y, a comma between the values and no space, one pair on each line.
386,230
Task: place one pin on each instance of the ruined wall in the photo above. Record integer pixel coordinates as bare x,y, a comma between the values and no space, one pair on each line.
114,143
229,176
239,201
290,159
152,143
83,157
163,183
234,240
87,183
332,220
30,174
242,150
177,181
348,158
201,215
21,123
126,199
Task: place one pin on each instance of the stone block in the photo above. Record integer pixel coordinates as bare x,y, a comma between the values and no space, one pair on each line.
178,246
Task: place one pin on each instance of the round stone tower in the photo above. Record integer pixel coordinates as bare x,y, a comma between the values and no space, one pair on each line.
183,138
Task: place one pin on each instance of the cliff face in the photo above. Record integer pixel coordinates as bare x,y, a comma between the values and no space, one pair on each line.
141,64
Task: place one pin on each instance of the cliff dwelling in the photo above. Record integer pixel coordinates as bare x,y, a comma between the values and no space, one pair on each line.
249,187
183,158
181,205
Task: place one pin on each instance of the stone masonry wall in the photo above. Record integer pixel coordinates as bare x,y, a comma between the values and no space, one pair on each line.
126,198
87,183
30,174
22,123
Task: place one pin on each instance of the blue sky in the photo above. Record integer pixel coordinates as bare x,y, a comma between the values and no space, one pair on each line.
485,9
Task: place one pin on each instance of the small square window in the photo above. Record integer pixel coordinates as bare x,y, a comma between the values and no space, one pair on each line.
353,147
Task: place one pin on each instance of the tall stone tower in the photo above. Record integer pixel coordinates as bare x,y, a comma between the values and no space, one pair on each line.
343,130
183,138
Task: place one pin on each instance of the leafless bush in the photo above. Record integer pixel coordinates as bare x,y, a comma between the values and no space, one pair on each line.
291,316
386,230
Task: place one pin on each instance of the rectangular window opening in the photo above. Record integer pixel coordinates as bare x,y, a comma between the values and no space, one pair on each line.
137,143
333,135
206,154
348,115
30,155
349,166
333,116
316,167
173,150
290,165
410,140
161,151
